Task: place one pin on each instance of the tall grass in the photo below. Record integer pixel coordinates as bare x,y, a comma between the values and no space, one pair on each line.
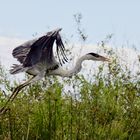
108,108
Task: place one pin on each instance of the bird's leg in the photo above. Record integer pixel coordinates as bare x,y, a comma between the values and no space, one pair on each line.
17,89
31,80
15,92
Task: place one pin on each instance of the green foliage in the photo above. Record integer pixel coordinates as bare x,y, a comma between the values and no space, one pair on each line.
108,108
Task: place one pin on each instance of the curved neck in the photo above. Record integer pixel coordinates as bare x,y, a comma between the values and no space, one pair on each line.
68,73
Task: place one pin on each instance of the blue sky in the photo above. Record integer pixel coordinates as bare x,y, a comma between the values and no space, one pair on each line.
22,19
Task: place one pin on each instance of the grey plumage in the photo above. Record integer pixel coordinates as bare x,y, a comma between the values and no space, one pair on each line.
39,51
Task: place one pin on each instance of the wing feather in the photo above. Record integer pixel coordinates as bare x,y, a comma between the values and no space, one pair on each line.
41,49
21,51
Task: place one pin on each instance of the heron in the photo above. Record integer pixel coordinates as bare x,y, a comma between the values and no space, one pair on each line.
37,58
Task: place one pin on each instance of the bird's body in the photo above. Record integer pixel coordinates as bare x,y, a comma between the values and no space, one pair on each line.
36,58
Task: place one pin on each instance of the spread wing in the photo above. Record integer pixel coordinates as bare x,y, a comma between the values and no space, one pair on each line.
41,49
21,51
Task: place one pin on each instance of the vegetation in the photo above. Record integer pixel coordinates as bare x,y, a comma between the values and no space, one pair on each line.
104,107
107,108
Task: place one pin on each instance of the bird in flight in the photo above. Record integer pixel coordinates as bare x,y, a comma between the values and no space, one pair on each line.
37,58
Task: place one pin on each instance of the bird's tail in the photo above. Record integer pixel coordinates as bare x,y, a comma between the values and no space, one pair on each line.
16,69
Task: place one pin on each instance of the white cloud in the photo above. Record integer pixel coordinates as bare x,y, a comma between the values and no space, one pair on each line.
7,44
7,41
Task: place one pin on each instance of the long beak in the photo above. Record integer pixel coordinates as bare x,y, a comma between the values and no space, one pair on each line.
102,58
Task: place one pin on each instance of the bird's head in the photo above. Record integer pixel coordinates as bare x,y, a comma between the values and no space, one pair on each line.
97,57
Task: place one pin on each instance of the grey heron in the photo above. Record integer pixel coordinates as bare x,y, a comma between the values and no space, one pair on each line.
36,58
